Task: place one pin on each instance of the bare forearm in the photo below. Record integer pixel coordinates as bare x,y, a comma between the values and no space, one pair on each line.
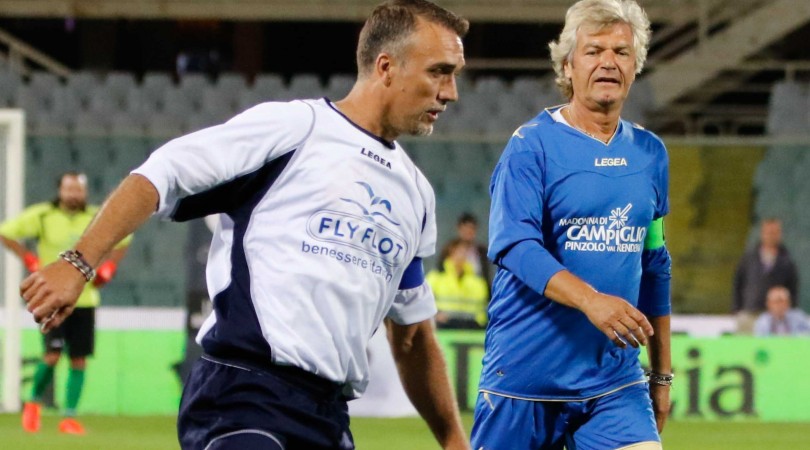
659,348
423,372
615,317
127,208
14,246
568,289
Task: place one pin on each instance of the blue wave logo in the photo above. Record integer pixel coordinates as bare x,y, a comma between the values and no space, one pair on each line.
375,204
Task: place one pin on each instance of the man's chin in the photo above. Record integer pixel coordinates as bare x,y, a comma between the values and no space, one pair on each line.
75,206
422,130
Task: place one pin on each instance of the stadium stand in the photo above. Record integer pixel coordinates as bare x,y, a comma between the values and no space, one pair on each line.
110,122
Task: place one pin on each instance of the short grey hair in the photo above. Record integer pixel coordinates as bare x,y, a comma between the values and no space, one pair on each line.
599,13
393,22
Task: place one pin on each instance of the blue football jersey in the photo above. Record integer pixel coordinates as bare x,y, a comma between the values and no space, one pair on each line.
564,200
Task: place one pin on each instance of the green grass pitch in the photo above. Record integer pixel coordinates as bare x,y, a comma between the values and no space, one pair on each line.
157,433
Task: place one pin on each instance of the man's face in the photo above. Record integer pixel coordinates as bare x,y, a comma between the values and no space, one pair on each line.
771,233
73,192
467,231
602,66
778,303
423,79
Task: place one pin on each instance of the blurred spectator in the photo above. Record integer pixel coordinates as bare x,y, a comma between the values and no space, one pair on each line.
780,319
461,294
467,231
766,265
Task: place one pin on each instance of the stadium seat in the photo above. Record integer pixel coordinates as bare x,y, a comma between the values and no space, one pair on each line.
44,81
164,125
219,103
67,102
9,83
305,85
339,86
123,123
491,86
177,102
128,152
153,89
31,100
231,82
266,87
639,103
119,83
82,84
194,82
202,120
92,123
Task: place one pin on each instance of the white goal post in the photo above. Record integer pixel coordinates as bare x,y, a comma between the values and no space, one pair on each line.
12,170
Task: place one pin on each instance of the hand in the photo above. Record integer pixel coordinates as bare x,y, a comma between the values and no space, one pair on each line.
31,261
620,322
104,273
51,293
661,406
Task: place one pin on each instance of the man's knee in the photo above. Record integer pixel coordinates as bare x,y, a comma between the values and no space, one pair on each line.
51,358
652,445
246,439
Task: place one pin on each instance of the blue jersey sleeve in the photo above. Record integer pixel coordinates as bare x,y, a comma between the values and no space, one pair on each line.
656,265
662,206
516,240
656,273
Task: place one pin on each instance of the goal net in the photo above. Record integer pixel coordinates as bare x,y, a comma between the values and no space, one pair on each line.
12,144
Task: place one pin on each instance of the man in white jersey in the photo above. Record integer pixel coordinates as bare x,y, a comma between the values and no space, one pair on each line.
323,224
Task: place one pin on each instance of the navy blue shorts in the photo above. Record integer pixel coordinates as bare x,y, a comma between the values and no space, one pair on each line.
229,406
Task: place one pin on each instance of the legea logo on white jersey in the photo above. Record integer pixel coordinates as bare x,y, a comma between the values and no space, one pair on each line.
604,234
366,225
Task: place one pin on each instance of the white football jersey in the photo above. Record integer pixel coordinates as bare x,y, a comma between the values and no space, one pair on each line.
319,220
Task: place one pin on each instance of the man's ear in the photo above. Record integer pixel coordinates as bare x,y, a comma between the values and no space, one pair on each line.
384,68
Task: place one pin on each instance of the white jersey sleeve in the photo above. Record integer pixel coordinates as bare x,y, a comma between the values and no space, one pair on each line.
413,305
416,304
427,241
201,160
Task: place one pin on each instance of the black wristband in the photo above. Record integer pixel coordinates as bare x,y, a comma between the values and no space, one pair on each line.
76,259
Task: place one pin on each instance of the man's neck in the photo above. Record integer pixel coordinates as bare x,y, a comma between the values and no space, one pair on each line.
600,124
364,107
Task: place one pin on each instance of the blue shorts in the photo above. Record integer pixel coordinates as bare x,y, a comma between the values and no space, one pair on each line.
229,406
619,419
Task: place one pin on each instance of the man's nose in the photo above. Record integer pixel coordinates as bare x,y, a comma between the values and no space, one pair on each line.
448,91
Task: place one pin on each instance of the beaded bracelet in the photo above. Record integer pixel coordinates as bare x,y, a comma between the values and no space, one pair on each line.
75,258
664,379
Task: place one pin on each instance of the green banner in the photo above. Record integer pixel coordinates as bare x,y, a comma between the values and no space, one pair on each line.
131,372
727,378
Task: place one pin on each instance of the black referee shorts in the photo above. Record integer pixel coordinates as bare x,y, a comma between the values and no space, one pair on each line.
77,333
229,406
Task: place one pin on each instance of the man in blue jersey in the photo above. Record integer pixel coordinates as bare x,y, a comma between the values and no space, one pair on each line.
576,231
323,222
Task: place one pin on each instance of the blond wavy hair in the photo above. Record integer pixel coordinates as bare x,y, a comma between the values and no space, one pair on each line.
600,14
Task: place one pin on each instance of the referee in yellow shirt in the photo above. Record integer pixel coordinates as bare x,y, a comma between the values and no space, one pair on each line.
56,226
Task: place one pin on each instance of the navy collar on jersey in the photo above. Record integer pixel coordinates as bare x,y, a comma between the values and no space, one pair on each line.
383,141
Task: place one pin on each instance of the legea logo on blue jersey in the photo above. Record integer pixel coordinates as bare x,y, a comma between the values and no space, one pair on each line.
604,234
367,225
